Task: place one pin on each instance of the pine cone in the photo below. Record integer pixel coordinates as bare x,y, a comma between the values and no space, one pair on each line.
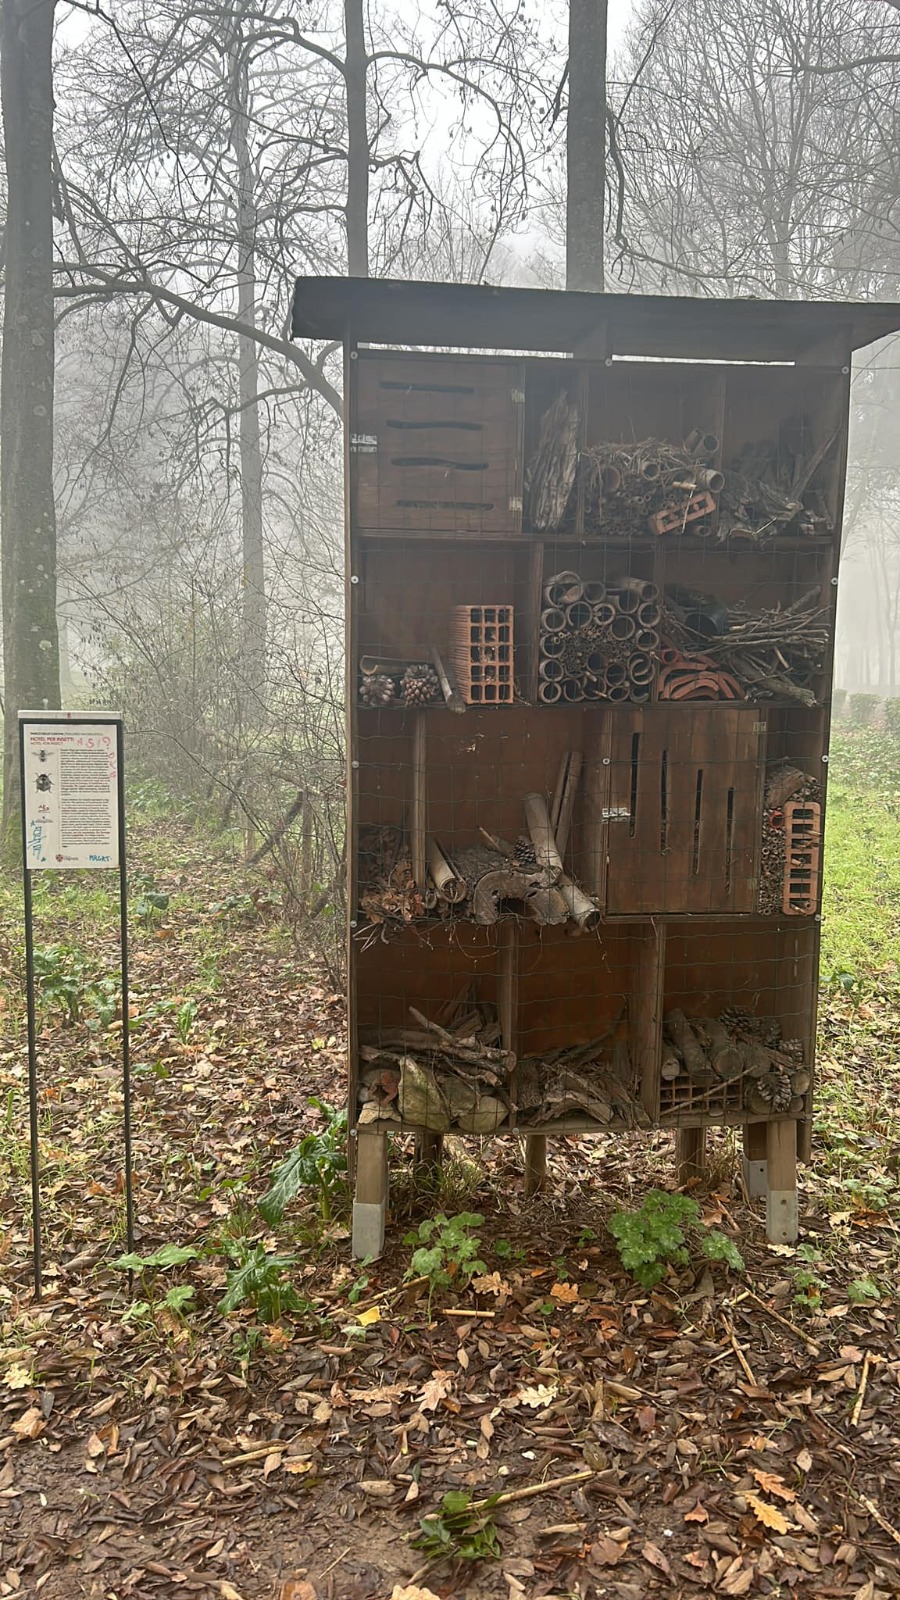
736,1019
525,856
419,684
793,1048
775,1090
376,690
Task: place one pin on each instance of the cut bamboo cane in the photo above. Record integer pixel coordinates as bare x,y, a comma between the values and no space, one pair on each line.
572,690
552,644
562,589
452,696
447,881
417,828
563,803
578,614
553,619
540,829
549,693
551,670
580,906
622,628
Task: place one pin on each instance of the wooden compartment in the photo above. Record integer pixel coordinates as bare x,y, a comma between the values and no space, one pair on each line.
682,834
437,445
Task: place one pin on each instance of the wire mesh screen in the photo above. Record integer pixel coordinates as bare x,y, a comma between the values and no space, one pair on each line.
590,647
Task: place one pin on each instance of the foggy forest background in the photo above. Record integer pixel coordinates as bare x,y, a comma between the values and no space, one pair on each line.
206,153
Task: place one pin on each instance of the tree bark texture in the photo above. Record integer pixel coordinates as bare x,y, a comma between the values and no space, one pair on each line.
27,509
252,543
586,145
356,66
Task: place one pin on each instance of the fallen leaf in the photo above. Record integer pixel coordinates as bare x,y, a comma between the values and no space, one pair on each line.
653,1554
768,1515
490,1283
435,1390
323,1412
378,1488
295,1466
739,1581
605,1552
565,1293
697,1513
412,1592
804,1460
30,1425
95,1446
18,1376
536,1396
297,1589
646,1418
228,1591
273,1460
771,1483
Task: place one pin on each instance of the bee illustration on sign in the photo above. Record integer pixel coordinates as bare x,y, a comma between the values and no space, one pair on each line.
43,782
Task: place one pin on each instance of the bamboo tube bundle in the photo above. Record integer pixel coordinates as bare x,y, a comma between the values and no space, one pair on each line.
626,487
603,626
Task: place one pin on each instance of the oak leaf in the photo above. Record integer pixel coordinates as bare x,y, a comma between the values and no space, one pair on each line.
771,1483
697,1513
769,1516
565,1293
435,1390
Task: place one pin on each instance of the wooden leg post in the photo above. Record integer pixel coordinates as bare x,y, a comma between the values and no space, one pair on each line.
429,1148
535,1162
370,1198
756,1160
690,1153
782,1223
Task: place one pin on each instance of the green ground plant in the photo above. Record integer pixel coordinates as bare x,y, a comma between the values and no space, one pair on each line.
318,1164
447,1250
259,1280
458,1531
667,1231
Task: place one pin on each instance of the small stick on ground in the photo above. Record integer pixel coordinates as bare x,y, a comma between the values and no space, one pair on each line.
813,1348
531,1489
876,1514
861,1392
745,1365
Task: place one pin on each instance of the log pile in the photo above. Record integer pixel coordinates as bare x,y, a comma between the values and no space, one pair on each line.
654,486
593,1080
597,641
733,1061
441,1076
784,783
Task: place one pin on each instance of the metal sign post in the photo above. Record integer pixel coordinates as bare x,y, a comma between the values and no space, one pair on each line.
73,819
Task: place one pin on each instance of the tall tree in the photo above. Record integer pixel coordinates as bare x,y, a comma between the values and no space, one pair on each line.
30,637
586,144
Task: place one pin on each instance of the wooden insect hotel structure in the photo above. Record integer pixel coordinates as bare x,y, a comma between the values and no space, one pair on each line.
591,586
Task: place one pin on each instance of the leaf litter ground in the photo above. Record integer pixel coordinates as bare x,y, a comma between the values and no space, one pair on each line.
741,1431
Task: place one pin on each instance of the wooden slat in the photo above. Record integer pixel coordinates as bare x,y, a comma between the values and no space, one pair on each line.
437,445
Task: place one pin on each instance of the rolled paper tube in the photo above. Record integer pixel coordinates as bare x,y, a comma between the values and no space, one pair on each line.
625,599
553,644
595,688
640,692
616,673
553,620
549,693
596,663
562,588
692,440
709,478
622,627
701,444
649,471
540,831
594,593
578,613
640,668
551,671
370,666
448,883
647,639
619,691
581,908
572,689
648,614
649,591
611,479
709,444
604,613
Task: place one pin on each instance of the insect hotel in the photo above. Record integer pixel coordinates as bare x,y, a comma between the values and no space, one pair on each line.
590,616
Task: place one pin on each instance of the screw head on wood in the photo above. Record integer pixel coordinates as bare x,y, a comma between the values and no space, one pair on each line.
606,761
825,758
834,583
354,355
354,765
354,579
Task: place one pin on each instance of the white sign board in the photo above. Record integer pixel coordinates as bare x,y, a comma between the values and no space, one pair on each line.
71,795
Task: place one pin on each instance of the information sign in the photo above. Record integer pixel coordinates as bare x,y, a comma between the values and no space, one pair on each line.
71,795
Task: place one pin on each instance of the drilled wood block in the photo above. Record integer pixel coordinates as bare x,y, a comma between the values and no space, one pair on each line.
436,445
483,654
802,852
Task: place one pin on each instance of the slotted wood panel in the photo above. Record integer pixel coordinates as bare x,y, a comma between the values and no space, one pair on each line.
437,445
683,810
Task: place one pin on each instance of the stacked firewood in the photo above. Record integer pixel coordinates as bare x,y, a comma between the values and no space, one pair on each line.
653,486
445,1075
738,1052
784,783
598,641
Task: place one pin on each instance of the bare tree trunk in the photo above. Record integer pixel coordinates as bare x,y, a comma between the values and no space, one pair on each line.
356,66
586,145
30,637
252,547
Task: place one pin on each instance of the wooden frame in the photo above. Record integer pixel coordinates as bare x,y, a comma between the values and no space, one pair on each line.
437,520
